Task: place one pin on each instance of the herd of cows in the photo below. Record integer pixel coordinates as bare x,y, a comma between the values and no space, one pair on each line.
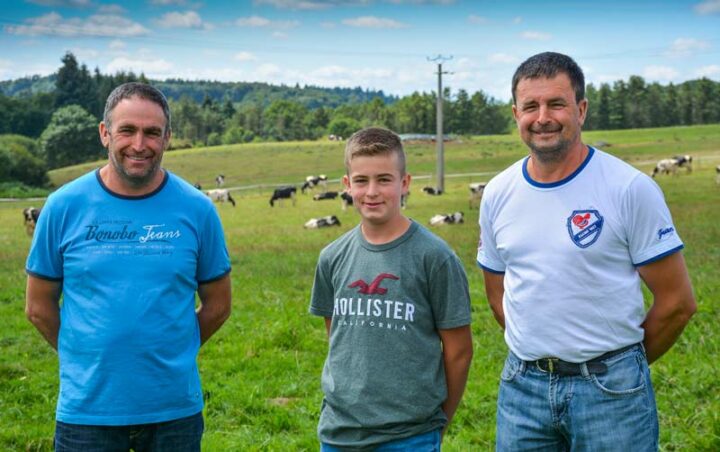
668,166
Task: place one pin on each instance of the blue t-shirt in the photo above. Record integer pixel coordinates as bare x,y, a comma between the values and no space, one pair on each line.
129,268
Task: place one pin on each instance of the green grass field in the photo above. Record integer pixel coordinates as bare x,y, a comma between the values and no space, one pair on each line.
261,372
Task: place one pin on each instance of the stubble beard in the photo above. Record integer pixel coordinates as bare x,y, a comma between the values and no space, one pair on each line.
551,154
134,180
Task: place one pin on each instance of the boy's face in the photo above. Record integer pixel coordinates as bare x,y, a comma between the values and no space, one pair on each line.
375,184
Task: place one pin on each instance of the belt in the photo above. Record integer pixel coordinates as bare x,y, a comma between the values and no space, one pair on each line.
560,367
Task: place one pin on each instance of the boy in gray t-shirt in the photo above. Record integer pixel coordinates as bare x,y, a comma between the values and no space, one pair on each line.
397,311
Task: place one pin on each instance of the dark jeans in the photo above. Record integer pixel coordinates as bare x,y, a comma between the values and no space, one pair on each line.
179,435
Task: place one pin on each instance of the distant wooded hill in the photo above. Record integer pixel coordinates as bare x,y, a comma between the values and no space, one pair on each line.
236,92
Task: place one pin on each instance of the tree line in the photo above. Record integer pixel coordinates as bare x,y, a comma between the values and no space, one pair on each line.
43,129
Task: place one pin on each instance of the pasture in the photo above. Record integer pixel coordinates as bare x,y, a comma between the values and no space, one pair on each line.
261,371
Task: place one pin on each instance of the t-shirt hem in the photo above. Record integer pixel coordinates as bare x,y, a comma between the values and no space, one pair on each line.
41,276
215,278
659,255
449,324
491,270
320,312
81,419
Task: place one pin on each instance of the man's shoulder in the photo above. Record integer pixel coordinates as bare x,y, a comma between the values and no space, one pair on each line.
505,179
79,187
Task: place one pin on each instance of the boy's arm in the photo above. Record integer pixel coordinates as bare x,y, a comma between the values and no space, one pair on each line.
328,324
457,355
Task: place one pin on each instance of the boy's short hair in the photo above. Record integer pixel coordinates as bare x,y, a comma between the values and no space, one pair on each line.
374,141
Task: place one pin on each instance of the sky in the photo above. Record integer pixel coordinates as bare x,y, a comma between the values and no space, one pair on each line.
389,45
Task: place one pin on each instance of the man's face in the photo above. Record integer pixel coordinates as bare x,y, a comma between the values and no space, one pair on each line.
375,184
548,117
137,140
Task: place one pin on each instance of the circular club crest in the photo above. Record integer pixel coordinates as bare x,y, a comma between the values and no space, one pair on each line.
584,227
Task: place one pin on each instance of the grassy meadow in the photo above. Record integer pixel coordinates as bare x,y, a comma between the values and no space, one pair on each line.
261,371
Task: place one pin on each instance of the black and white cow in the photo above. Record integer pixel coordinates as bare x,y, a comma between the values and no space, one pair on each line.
283,193
684,161
404,199
220,180
346,199
450,218
326,195
476,191
220,195
198,186
717,178
323,222
30,215
313,181
432,191
665,166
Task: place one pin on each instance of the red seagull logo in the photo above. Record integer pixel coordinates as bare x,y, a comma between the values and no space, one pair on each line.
373,287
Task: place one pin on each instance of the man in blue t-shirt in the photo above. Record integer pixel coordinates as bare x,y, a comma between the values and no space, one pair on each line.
127,247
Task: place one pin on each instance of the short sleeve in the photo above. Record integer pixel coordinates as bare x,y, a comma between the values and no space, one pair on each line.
322,296
650,231
45,258
449,295
213,258
488,257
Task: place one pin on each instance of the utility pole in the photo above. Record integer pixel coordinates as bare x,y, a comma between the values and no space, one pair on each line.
439,130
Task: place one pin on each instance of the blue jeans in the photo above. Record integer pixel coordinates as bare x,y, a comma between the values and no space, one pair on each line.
611,411
425,442
179,435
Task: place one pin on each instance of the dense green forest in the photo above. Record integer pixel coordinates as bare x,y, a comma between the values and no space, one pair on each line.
50,122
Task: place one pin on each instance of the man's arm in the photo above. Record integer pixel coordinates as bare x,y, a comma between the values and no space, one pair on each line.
457,355
673,303
495,290
42,307
215,305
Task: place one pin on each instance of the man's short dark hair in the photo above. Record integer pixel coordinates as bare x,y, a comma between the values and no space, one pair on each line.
141,90
549,65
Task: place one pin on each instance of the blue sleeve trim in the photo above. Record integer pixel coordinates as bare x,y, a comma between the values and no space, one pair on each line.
41,276
660,256
220,276
488,269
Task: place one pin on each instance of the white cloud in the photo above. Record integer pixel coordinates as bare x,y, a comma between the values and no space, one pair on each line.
53,24
517,20
5,68
257,21
712,71
111,9
477,20
84,53
708,7
328,24
503,58
298,4
535,35
63,3
687,46
153,68
116,44
279,35
244,56
175,19
373,22
169,2
660,73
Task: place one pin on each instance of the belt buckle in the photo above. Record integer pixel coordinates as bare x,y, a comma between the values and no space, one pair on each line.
550,364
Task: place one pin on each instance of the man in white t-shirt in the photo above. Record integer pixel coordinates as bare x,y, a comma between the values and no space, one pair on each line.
567,235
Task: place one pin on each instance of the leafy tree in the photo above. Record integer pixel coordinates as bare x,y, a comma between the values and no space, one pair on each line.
18,161
343,127
284,120
70,138
75,86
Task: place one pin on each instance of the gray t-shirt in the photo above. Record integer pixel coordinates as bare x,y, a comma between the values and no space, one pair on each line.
384,377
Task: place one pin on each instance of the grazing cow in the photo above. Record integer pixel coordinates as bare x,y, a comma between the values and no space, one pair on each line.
30,215
313,181
220,180
346,199
717,178
221,195
684,161
283,193
404,199
451,218
666,166
476,191
198,186
432,191
323,222
326,195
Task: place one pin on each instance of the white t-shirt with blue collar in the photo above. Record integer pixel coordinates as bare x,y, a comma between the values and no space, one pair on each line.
569,251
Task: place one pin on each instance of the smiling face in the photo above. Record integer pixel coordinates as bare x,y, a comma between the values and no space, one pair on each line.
548,117
376,184
135,144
